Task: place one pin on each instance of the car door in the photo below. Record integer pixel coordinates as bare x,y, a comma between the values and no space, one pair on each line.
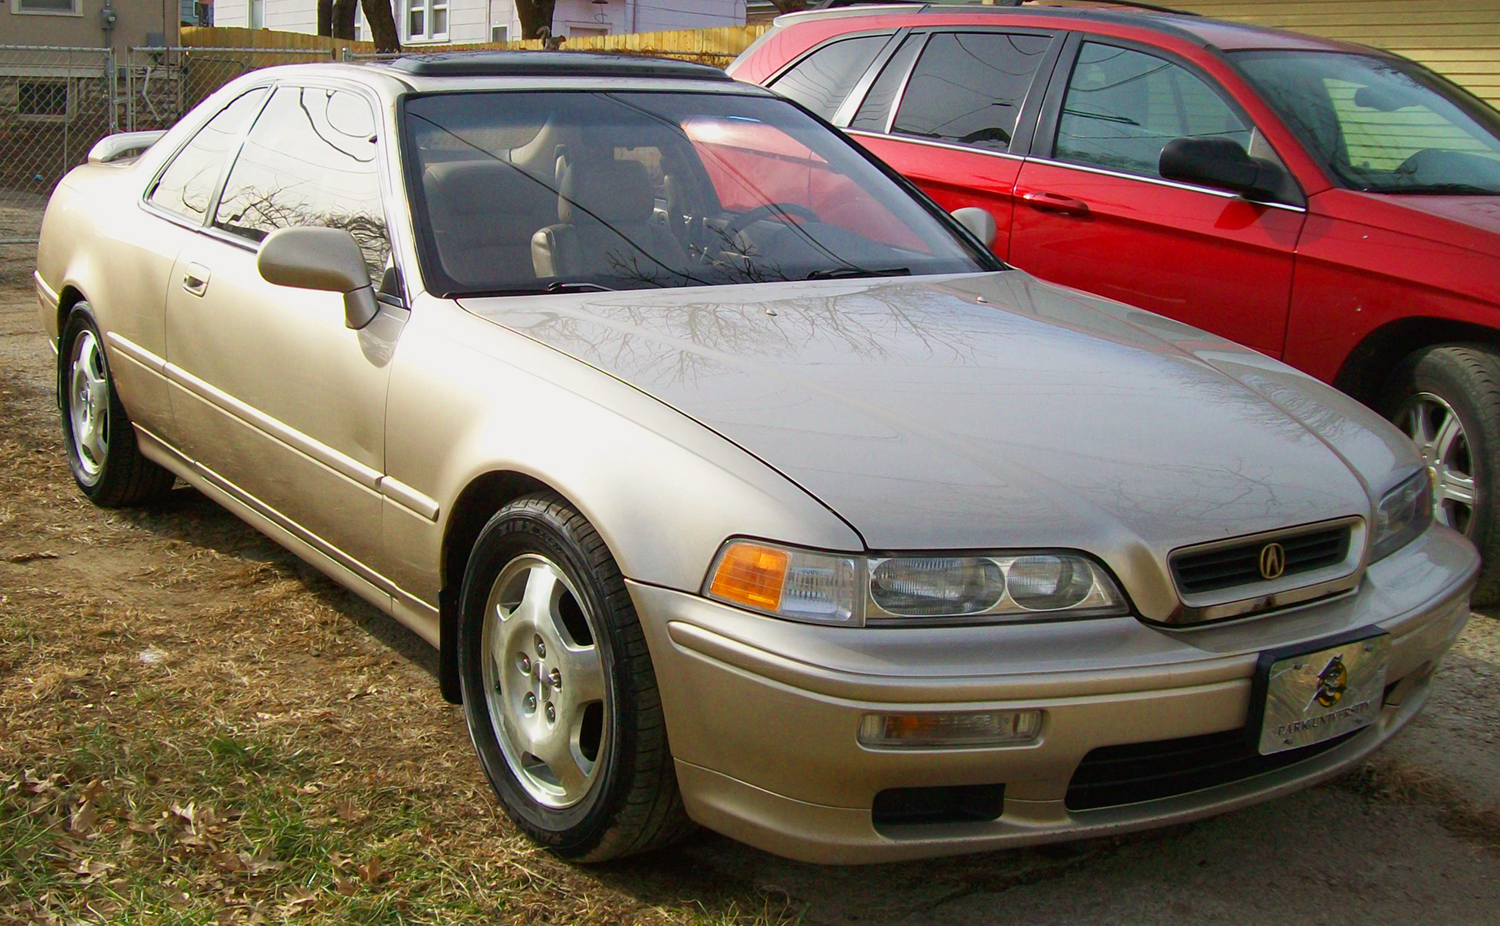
148,242
273,393
953,109
1094,212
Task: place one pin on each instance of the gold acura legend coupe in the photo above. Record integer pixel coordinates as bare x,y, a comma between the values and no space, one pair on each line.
735,482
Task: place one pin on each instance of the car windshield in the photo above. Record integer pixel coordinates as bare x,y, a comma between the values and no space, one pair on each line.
557,191
1381,124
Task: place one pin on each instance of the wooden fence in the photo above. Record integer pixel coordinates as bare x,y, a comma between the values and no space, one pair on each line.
715,46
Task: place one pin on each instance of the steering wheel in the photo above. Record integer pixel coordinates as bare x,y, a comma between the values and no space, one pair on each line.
780,211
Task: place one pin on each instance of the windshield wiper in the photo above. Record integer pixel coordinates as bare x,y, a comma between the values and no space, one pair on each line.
576,286
837,273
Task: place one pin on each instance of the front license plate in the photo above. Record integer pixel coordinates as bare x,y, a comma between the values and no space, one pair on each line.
1312,697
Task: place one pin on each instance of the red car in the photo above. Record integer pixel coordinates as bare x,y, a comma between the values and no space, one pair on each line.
1334,206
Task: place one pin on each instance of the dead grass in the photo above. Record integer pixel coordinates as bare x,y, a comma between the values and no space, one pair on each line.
195,728
1391,781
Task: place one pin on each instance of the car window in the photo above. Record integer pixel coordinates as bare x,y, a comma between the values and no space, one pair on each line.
187,185
968,88
635,189
1382,124
875,112
309,160
1123,106
824,78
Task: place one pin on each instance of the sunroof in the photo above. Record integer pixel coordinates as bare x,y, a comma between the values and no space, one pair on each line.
551,64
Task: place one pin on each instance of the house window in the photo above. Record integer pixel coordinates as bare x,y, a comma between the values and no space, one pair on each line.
42,99
48,7
499,33
426,20
257,14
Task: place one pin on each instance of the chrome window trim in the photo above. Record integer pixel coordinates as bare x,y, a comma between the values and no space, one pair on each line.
1300,588
900,97
936,144
849,108
1159,181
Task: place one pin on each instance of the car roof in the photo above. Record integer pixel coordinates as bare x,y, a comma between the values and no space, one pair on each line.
1201,30
520,70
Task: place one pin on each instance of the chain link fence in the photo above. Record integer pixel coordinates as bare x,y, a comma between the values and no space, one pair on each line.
55,103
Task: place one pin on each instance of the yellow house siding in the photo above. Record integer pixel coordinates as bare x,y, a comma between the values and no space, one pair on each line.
1456,38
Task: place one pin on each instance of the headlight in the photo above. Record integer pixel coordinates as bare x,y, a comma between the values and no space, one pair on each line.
834,588
1402,515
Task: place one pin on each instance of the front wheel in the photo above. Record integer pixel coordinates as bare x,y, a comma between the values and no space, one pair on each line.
106,463
558,687
1447,400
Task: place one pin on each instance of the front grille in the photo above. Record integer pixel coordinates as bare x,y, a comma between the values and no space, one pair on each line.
1113,775
1239,564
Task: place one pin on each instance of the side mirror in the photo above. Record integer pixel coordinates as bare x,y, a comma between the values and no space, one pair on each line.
325,259
980,222
1220,163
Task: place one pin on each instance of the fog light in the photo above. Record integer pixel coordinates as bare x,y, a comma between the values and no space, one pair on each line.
938,731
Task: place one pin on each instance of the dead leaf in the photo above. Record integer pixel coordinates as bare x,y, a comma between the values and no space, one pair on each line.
345,886
301,896
28,557
349,811
371,872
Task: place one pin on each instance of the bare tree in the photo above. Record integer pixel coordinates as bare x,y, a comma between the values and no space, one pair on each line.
336,19
535,16
382,25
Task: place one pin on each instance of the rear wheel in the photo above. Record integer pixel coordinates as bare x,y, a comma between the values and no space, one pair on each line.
106,463
558,687
1447,400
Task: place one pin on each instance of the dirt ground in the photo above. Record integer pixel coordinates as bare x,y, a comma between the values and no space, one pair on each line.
196,728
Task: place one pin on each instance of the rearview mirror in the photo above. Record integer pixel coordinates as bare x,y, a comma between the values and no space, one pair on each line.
979,221
326,259
1379,99
1220,163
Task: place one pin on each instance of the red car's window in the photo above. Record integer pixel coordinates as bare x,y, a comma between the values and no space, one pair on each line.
751,164
967,88
824,78
1123,106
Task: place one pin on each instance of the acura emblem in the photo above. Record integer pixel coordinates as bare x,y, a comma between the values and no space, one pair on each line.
1272,561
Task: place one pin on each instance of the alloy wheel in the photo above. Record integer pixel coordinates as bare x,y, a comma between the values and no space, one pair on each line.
1435,428
544,681
88,406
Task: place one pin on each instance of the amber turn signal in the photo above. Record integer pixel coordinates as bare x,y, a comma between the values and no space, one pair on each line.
751,574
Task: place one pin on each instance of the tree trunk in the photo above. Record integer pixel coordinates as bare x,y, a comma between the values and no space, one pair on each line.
343,18
382,25
325,17
535,15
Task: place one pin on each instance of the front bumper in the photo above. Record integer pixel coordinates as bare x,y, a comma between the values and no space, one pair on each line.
762,714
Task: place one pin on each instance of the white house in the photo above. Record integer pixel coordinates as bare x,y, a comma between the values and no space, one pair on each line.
447,22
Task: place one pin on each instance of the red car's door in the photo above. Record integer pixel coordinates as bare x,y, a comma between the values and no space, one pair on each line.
1092,211
947,109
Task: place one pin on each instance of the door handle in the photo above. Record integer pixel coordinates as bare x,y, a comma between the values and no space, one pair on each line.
1055,202
195,280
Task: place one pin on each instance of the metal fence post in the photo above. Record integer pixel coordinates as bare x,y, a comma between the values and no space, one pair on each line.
112,89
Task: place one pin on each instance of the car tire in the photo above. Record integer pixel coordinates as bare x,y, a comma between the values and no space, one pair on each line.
559,690
102,452
1460,382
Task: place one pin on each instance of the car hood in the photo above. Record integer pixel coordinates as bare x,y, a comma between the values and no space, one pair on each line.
983,410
